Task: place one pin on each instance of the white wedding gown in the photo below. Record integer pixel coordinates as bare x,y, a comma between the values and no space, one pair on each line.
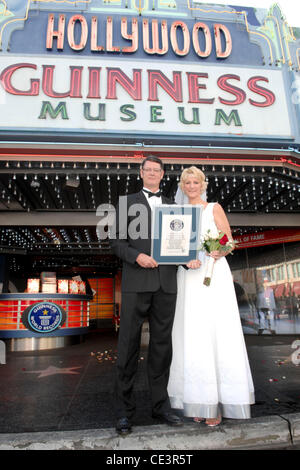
210,371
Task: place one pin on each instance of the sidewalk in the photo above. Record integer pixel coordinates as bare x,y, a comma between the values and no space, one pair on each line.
62,399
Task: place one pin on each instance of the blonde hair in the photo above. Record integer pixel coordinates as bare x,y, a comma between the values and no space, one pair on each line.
193,171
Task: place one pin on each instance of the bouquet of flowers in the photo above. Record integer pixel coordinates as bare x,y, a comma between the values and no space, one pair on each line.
214,241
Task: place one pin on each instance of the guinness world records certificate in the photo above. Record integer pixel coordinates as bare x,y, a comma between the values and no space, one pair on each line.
175,233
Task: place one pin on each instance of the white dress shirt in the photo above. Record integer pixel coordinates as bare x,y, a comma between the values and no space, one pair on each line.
154,200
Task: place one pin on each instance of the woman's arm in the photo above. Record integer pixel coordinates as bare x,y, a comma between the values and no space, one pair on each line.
221,220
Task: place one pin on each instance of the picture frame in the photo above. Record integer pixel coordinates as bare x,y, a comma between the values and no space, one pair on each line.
175,233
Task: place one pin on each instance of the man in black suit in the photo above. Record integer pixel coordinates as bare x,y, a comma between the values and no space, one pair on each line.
148,291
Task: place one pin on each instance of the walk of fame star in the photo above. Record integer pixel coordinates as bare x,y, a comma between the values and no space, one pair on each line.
52,370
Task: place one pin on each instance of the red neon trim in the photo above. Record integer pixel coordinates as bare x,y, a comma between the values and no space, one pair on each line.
281,160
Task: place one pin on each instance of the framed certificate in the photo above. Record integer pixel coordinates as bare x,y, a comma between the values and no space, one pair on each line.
175,233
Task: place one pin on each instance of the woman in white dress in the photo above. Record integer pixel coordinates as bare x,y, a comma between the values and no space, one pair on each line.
210,375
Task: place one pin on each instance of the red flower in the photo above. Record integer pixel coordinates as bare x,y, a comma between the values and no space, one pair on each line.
224,240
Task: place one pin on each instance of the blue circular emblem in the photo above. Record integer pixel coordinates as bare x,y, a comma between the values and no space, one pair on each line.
43,317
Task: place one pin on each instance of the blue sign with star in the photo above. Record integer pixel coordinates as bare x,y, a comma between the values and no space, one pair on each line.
43,317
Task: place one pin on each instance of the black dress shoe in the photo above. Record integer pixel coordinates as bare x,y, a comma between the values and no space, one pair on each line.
123,426
169,418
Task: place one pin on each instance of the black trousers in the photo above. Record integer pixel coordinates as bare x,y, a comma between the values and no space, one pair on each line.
159,308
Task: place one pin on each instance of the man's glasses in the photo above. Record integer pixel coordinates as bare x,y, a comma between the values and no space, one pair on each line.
154,170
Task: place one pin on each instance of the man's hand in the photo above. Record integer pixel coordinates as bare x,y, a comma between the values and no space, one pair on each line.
146,261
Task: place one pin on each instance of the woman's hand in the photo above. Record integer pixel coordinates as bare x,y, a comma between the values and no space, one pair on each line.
216,254
194,264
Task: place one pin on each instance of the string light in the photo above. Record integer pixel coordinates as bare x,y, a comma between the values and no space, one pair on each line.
253,186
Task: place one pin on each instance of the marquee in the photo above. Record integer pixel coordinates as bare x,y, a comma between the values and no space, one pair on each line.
182,69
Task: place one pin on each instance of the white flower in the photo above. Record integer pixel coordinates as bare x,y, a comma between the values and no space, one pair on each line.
214,233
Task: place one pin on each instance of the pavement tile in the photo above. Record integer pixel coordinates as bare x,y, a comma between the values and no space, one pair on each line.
71,388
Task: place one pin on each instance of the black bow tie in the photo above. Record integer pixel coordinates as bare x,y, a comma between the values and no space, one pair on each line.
152,194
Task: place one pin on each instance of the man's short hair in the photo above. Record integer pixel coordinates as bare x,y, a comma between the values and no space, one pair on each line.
153,158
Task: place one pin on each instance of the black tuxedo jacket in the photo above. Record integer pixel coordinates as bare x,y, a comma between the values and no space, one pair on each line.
127,248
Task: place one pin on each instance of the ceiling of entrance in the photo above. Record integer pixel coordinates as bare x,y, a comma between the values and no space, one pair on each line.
67,190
